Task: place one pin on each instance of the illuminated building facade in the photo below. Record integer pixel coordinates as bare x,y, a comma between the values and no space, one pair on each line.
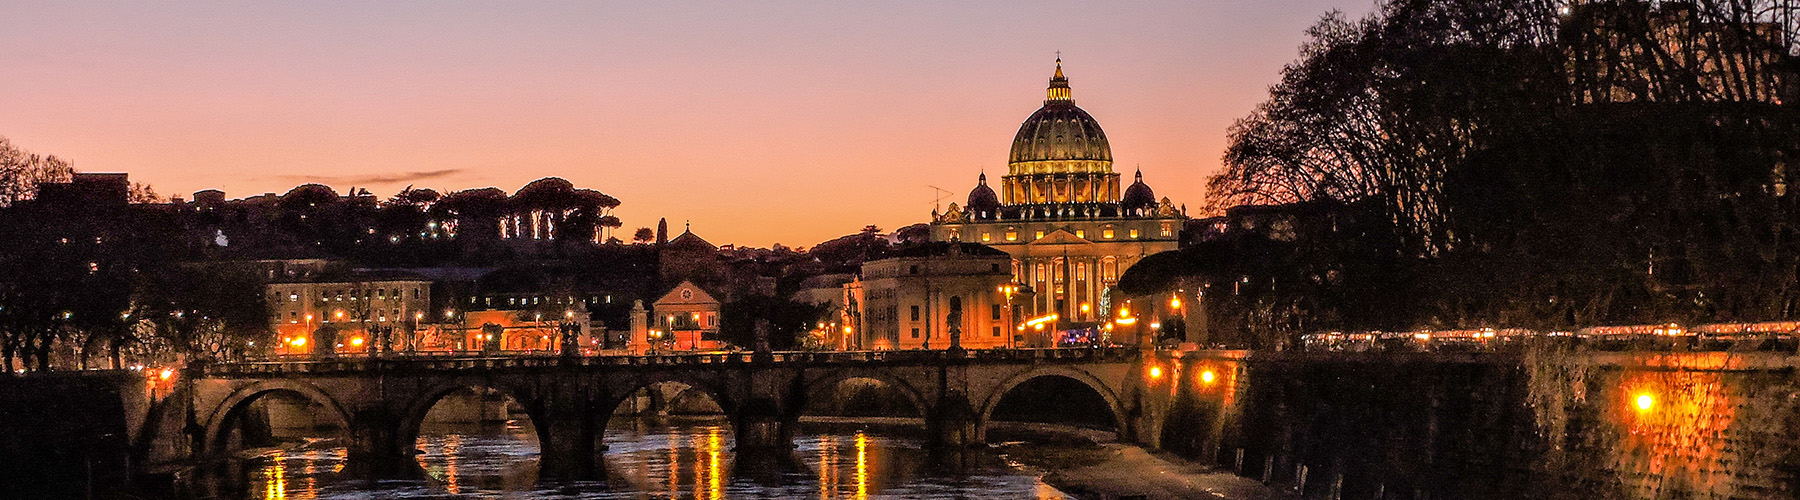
1060,214
316,311
686,319
912,299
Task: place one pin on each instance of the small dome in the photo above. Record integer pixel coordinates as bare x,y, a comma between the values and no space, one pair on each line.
983,203
1139,195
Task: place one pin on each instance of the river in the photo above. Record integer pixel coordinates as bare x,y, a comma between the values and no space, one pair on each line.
645,458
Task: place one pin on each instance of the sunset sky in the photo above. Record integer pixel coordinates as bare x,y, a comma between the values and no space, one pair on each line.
761,122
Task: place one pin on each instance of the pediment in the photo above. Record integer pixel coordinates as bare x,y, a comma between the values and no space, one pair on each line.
686,293
1061,237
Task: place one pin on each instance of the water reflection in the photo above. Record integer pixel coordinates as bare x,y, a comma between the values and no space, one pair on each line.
681,459
296,474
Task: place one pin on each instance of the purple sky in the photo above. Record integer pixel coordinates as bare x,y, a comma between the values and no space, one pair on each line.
761,122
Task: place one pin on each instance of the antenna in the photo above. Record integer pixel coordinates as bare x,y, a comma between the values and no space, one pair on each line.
939,196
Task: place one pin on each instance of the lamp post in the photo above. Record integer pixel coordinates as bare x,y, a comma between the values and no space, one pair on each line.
1006,292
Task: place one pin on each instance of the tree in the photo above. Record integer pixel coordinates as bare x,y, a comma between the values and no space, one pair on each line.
1535,163
207,311
21,171
643,236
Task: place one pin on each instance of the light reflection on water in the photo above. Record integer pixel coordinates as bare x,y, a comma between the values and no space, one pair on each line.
691,459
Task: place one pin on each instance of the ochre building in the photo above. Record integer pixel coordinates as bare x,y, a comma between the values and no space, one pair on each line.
1060,214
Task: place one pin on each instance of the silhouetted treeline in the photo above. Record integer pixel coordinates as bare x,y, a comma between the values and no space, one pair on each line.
1530,163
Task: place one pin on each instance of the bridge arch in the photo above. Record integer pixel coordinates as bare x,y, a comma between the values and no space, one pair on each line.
833,378
234,405
619,390
999,392
413,418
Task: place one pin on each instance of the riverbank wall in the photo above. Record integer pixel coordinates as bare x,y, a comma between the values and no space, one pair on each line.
69,435
1544,423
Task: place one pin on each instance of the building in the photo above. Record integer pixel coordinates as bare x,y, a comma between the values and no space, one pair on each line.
515,330
316,309
922,295
686,319
87,190
1061,216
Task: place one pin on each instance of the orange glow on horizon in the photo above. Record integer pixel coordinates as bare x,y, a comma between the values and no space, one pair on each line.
185,100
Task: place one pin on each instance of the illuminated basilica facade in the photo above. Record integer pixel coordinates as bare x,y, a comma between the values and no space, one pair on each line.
1060,214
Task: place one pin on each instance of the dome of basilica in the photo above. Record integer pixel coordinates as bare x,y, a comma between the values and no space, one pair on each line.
1060,137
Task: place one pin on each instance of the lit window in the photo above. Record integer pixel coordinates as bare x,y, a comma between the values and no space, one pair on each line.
1134,234
1012,235
293,297
986,236
1106,233
1081,271
1167,230
1040,235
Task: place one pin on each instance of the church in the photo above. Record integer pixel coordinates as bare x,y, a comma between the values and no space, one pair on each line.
1060,215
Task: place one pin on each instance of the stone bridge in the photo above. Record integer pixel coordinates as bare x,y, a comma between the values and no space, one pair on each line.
383,401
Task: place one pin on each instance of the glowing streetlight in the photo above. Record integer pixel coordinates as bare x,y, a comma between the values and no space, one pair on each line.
1155,372
1645,402
1207,377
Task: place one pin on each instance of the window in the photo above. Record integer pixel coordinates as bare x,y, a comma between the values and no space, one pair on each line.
915,333
1059,271
1038,272
987,236
1167,230
994,311
1109,269
996,331
1106,233
913,270
293,297
915,313
1040,235
1012,234
1081,271
1134,234
1080,233
993,268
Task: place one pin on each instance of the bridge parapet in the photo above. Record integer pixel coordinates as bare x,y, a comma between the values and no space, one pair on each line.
447,363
